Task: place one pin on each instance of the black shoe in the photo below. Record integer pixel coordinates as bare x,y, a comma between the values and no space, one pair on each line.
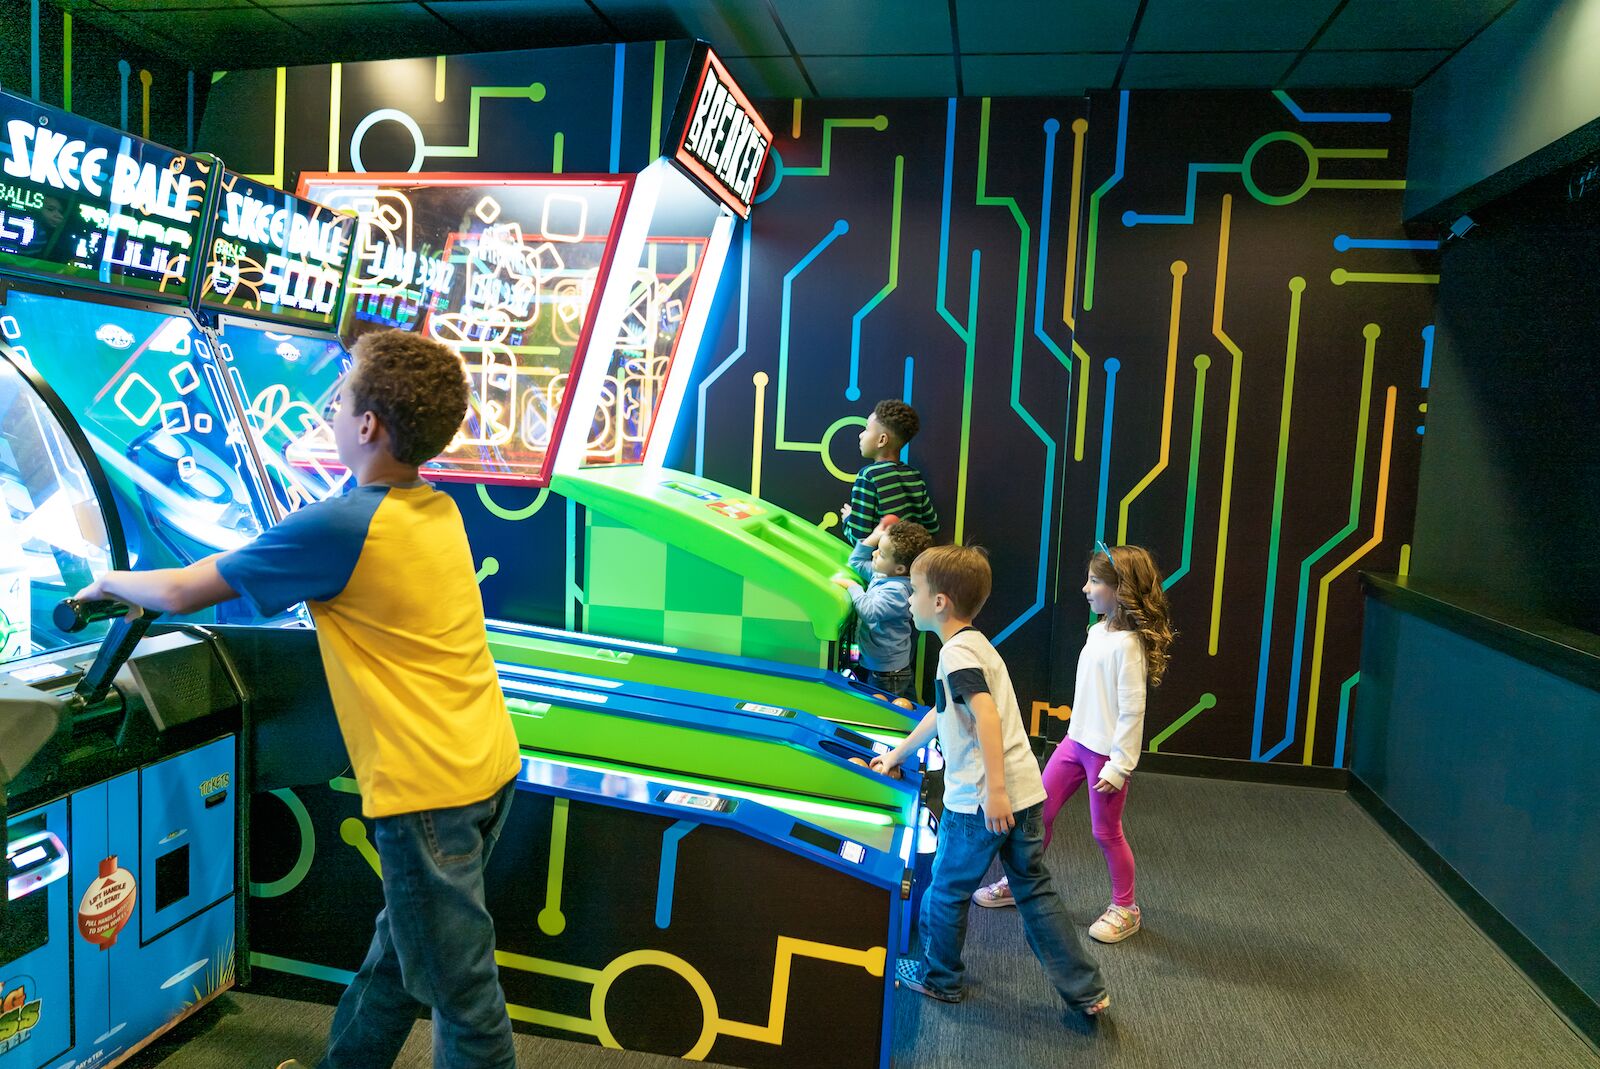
909,972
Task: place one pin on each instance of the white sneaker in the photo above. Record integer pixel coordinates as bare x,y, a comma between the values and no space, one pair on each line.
996,895
1115,924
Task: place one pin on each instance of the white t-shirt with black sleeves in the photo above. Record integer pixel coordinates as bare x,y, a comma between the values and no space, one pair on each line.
968,665
1108,702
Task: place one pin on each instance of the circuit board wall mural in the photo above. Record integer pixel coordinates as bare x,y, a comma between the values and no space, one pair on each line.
1183,320
46,54
1187,321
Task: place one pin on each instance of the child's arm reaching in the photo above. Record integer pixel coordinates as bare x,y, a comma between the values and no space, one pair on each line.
909,745
1129,733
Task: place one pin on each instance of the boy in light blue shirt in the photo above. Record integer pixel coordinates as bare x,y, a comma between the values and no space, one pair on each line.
883,560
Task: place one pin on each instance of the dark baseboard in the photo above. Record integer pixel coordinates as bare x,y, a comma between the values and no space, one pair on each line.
1331,779
1581,1012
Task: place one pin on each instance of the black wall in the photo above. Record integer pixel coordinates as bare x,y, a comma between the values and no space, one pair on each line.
1509,497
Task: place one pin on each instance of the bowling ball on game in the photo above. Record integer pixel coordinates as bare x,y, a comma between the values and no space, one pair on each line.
860,761
905,703
881,697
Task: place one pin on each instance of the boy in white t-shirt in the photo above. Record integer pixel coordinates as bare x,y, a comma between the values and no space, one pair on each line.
993,793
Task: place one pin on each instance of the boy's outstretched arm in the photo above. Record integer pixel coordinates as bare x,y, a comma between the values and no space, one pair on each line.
909,745
172,590
997,815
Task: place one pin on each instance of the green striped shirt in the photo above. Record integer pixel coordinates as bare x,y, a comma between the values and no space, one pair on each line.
884,488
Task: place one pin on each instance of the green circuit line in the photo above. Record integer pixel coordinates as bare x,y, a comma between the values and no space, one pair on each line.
655,107
1207,701
823,169
1201,364
984,200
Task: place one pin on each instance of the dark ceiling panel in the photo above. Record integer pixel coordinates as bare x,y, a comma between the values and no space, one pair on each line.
1377,24
1022,76
854,27
506,24
170,5
734,29
768,77
1045,25
376,31
882,76
1190,70
225,39
1365,68
1231,25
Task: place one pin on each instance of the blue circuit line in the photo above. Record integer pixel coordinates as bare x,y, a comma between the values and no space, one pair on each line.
1328,116
840,227
1111,367
905,450
705,384
669,870
34,39
616,110
961,332
1133,218
125,69
1344,715
1427,355
1344,243
1051,128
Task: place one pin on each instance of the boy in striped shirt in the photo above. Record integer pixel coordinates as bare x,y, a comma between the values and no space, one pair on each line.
885,486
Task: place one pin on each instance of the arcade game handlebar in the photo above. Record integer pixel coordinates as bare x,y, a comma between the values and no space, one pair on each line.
72,615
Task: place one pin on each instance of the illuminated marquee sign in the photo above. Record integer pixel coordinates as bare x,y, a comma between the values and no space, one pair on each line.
724,142
274,256
87,205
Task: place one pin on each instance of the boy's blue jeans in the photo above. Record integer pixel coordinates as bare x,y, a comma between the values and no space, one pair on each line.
900,683
434,946
966,848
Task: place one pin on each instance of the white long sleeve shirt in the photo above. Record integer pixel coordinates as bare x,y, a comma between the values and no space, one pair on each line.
1108,704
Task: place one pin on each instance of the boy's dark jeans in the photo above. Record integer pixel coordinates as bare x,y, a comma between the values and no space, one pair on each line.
966,848
898,684
434,946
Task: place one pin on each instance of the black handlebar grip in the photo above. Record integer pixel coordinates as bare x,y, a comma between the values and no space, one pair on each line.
72,615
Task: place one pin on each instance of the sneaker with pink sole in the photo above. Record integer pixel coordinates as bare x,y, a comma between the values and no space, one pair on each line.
1115,924
995,895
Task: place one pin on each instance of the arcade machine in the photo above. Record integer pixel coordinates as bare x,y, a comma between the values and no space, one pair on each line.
118,768
98,234
669,558
271,291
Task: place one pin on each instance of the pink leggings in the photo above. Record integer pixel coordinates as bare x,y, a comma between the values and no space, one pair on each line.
1070,767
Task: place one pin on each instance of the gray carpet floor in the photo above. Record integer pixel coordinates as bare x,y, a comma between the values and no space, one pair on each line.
1282,929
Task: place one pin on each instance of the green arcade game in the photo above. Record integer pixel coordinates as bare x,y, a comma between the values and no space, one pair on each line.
819,692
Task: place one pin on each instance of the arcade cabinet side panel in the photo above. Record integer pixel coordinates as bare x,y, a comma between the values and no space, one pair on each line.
637,586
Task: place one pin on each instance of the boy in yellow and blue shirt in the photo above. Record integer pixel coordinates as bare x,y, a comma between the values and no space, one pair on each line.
389,578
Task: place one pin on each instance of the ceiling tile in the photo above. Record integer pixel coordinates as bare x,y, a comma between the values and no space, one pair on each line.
1394,69
226,38
1045,25
1415,24
882,76
1205,70
734,29
769,77
170,5
507,24
854,27
407,29
1037,76
1188,25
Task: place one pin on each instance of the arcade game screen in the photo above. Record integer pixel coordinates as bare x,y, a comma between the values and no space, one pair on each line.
503,271
53,537
148,395
662,288
89,206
